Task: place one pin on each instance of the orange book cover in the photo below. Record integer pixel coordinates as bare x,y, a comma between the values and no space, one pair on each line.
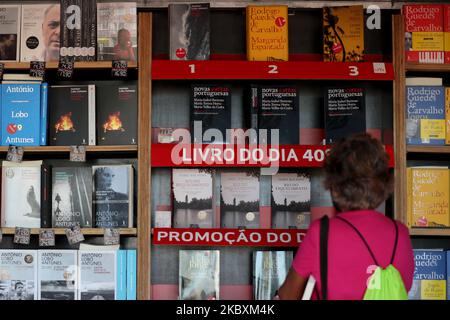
343,34
267,33
429,202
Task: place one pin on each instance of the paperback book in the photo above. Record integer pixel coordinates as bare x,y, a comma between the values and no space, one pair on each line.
10,32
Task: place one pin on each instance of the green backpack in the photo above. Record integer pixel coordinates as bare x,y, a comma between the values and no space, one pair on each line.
384,284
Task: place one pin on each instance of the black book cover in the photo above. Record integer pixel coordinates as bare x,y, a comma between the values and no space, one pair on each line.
69,115
113,196
71,197
211,105
46,215
79,29
189,26
345,112
117,114
275,107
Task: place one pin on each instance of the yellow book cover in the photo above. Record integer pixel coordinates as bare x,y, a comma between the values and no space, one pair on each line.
433,290
432,129
267,33
408,197
430,197
428,41
343,34
447,114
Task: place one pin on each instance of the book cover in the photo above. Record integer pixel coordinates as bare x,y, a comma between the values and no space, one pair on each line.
21,194
117,31
71,115
447,115
291,200
131,274
345,112
113,196
210,109
275,109
343,34
117,114
239,199
425,115
78,30
424,36
189,31
199,272
40,32
429,281
71,197
97,275
428,196
57,274
21,113
10,32
270,269
121,275
192,198
267,33
18,275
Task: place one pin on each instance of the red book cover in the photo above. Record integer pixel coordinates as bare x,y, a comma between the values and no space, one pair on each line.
447,33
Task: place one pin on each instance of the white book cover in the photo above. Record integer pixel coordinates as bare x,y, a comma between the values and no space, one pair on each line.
199,275
97,275
18,274
57,274
40,32
192,198
423,81
21,194
117,31
10,32
163,219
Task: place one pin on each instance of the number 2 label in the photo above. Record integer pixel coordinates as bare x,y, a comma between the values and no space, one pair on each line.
273,69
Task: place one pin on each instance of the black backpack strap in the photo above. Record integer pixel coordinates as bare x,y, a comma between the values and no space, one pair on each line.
362,238
396,241
324,225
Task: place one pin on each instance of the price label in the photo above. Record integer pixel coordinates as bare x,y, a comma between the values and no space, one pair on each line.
22,236
119,68
65,68
78,153
15,154
46,238
37,69
379,67
74,235
2,69
111,236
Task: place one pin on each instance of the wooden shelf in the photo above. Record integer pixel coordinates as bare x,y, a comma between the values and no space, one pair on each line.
78,65
262,70
441,232
428,149
91,149
85,231
427,67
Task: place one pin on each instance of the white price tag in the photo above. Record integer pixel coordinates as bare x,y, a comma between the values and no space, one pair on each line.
379,67
74,235
46,238
22,236
111,236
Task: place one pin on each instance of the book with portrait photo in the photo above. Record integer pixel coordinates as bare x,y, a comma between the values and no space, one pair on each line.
18,274
10,32
57,274
113,196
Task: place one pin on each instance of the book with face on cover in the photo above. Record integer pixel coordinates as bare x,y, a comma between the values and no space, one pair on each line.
199,272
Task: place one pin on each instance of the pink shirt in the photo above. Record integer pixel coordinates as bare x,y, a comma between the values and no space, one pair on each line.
348,257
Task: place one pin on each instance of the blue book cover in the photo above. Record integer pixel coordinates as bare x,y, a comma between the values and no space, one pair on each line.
131,274
425,115
448,275
121,275
21,113
44,110
429,282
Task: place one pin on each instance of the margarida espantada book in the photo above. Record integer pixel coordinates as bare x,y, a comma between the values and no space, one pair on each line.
21,194
18,274
57,274
199,272
267,33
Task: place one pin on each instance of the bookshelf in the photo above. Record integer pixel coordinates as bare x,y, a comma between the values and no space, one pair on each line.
94,65
84,231
89,149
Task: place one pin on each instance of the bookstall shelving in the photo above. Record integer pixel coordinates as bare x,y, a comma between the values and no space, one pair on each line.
84,231
66,149
94,65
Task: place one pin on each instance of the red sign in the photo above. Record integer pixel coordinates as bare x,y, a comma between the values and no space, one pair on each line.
218,155
229,237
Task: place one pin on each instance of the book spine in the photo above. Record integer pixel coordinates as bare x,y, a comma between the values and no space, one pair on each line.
91,117
121,275
447,115
44,112
254,114
131,274
46,214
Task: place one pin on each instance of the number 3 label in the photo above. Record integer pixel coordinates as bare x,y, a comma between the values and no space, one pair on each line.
353,71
